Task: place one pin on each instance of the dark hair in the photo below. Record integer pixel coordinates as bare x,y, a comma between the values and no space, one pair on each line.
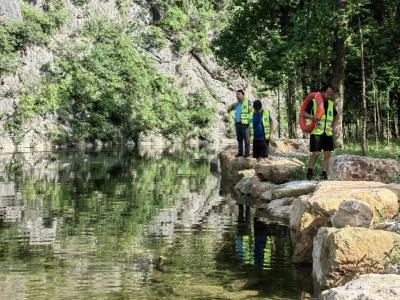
257,105
327,86
240,91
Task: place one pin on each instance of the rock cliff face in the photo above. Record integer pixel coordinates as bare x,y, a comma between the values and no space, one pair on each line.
192,71
10,10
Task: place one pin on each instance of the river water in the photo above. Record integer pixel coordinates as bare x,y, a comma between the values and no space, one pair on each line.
127,225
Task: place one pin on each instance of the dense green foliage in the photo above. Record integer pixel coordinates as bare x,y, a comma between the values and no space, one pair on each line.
106,89
189,24
36,29
292,46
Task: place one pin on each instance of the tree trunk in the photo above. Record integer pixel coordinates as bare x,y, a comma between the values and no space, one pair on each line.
398,115
379,111
279,114
375,123
376,129
388,119
339,72
291,110
363,93
356,137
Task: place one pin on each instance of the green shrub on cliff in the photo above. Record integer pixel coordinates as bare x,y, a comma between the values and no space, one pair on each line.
190,23
36,28
111,91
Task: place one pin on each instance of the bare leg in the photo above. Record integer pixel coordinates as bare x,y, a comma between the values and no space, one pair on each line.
313,159
327,158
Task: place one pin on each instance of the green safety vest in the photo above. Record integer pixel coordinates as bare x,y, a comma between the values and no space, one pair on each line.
244,116
266,123
325,124
245,112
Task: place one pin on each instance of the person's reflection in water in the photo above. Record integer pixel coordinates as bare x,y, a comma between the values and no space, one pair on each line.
243,237
262,249
260,241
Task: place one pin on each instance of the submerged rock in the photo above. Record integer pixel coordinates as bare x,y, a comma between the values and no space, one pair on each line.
367,287
352,213
310,213
279,209
353,167
341,254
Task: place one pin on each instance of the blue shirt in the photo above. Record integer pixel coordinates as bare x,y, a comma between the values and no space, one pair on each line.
238,112
259,133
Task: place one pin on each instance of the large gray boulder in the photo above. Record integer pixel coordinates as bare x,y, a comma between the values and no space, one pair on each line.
367,287
353,167
352,213
245,185
279,170
294,189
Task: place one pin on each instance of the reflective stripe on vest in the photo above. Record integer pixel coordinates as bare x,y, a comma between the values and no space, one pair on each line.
245,112
266,123
325,124
244,116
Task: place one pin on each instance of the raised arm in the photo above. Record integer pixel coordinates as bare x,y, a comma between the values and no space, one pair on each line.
231,107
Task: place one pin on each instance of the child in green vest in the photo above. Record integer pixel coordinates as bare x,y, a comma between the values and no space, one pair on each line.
261,130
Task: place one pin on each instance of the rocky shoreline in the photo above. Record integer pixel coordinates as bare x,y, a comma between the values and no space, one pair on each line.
347,228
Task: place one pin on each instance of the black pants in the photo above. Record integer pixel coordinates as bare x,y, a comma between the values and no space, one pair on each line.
260,148
243,137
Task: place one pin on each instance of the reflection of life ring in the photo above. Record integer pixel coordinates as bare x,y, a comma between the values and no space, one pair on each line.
307,125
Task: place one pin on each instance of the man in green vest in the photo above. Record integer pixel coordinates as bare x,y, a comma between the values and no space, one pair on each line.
242,109
321,138
261,130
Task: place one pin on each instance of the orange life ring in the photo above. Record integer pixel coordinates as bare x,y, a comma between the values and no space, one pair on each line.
308,128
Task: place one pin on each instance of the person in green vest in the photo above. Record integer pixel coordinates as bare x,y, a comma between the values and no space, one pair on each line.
261,130
242,109
321,138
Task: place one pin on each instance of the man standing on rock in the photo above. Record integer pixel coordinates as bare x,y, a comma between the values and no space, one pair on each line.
321,138
242,110
261,130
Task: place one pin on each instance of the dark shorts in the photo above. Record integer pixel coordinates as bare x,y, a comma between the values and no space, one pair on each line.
260,148
321,143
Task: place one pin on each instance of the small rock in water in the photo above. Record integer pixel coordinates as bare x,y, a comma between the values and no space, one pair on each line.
160,263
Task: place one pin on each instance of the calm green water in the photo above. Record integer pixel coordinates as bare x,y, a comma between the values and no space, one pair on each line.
124,225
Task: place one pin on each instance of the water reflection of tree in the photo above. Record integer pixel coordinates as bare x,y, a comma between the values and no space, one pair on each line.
101,203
